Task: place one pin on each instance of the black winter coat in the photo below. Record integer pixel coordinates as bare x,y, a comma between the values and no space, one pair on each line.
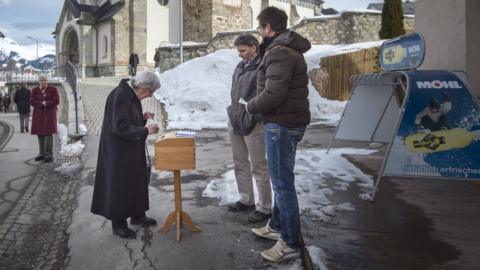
243,86
22,99
133,60
121,187
282,81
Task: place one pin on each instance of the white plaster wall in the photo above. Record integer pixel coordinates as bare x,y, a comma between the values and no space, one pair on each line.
305,12
157,27
442,23
473,44
256,6
451,31
104,29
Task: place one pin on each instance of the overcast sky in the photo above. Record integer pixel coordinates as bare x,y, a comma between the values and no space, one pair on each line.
37,18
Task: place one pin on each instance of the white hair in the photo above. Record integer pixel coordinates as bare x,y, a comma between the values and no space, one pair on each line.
146,79
42,77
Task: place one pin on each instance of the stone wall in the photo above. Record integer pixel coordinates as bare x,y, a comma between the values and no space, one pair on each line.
350,27
228,17
197,23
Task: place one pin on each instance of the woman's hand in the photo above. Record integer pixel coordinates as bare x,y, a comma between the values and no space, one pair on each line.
152,129
148,115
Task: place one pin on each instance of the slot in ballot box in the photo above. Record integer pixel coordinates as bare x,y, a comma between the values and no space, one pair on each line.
174,152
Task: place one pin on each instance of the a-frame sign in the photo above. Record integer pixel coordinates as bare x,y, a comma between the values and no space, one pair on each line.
429,118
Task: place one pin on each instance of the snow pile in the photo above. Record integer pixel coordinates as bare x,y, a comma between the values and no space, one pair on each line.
197,93
69,168
313,192
69,150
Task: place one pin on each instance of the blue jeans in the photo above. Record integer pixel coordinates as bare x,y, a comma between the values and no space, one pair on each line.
281,145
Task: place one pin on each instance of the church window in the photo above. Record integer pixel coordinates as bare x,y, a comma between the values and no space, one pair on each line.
69,16
105,46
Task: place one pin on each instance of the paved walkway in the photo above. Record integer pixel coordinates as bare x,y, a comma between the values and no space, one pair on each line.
36,204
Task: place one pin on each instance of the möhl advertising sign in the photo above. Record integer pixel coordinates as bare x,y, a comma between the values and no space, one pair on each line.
439,131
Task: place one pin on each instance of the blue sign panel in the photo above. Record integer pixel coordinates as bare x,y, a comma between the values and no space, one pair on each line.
440,129
402,53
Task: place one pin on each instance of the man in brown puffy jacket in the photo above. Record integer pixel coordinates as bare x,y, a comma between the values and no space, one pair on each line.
282,101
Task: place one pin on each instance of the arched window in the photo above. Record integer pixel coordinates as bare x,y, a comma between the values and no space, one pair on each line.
105,46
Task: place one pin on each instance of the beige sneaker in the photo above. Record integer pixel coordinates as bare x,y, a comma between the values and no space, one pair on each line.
267,232
280,252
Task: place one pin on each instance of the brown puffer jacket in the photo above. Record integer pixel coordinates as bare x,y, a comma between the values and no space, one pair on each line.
282,82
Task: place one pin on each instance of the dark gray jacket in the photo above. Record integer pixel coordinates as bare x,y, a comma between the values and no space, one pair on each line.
22,99
282,82
243,86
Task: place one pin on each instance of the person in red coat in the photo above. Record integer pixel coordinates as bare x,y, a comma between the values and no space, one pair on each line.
44,100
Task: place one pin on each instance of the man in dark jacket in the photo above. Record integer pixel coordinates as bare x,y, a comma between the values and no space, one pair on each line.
282,100
133,63
121,184
6,102
22,99
246,135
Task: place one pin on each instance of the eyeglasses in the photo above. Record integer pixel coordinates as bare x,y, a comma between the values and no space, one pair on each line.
260,27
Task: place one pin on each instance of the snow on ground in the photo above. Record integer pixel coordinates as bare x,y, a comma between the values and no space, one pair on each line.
312,188
69,150
197,93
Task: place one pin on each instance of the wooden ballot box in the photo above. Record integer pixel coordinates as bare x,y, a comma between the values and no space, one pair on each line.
175,152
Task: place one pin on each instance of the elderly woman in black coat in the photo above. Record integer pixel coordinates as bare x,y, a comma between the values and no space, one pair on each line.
121,184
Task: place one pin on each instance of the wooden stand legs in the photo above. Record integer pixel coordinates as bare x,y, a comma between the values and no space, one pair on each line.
178,215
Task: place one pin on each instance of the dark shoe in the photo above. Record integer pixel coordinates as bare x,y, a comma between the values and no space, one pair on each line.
258,216
126,233
143,221
48,159
39,158
239,207
21,131
26,129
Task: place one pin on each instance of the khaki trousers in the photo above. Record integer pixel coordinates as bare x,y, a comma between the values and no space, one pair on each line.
249,159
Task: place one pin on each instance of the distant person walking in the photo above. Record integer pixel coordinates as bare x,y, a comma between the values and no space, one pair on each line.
6,100
156,58
282,100
246,136
1,103
121,180
22,99
133,63
44,100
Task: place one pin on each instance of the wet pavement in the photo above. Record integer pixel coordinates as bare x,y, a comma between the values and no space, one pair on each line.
413,224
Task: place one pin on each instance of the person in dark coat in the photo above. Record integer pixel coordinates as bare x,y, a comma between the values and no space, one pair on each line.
282,100
156,58
6,102
121,184
22,99
133,63
246,136
44,100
